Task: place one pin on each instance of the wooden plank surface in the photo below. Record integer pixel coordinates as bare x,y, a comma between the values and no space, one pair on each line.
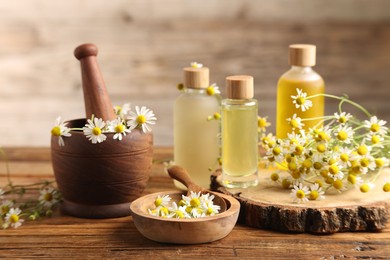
68,237
145,44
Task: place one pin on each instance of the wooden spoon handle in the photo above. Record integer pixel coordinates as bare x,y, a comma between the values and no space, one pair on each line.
180,174
96,99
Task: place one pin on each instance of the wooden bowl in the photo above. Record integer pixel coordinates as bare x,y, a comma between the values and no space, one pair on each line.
183,231
100,180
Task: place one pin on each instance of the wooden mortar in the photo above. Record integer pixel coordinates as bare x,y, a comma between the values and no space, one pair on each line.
100,180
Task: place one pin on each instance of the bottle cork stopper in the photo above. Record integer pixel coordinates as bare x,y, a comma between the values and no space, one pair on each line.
239,87
302,55
196,77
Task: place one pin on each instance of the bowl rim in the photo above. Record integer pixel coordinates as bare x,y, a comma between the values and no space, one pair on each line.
233,206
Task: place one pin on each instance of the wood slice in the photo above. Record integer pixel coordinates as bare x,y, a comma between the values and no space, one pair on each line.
269,207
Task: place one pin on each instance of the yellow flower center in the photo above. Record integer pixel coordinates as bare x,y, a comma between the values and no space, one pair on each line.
375,139
181,203
299,149
334,169
48,196
209,211
386,187
274,176
324,173
119,128
164,211
329,180
313,195
292,166
342,136
322,136
276,151
317,165
56,131
195,202
180,86
338,184
300,194
179,213
300,101
210,91
342,119
141,119
14,218
362,150
307,163
375,128
332,161
352,178
296,174
365,188
217,116
320,184
158,202
286,184
321,148
262,122
344,157
364,162
379,162
96,131
294,123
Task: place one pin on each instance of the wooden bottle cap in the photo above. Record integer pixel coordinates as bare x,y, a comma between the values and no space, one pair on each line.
196,77
239,87
302,55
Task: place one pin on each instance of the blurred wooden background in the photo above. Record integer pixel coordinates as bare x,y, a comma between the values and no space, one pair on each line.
144,44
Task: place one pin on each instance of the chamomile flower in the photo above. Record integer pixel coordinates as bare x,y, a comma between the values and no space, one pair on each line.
342,117
122,111
60,129
299,193
295,122
335,171
162,201
212,90
344,134
366,187
339,185
316,192
301,101
386,184
93,130
143,117
276,153
5,207
376,126
48,197
177,211
345,156
208,206
116,126
382,162
13,218
196,65
262,123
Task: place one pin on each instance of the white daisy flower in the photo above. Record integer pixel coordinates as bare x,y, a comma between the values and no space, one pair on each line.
122,111
262,123
13,218
335,171
162,201
343,117
196,65
48,197
300,100
276,153
344,134
376,126
143,117
295,122
212,90
94,130
346,156
60,130
316,192
5,207
178,211
116,126
299,193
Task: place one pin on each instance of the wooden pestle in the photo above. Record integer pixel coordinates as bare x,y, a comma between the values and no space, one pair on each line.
96,99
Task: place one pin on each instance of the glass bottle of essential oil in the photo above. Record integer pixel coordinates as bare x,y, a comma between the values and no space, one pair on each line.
239,133
302,57
196,140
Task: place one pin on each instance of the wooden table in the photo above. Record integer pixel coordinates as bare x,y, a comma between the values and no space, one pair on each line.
67,237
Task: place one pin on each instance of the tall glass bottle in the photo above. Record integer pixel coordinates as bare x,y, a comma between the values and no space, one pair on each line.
302,57
196,141
239,133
